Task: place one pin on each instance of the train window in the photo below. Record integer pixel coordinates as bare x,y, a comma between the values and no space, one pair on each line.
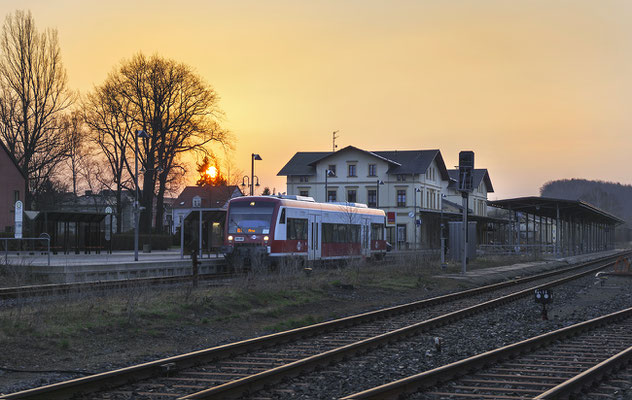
282,218
377,232
250,218
296,229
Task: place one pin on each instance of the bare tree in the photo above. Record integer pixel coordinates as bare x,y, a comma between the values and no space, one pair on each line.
109,120
33,95
177,109
77,150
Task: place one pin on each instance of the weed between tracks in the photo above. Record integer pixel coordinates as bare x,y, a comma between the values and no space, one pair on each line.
142,322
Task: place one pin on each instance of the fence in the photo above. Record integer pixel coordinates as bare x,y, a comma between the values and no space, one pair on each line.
32,245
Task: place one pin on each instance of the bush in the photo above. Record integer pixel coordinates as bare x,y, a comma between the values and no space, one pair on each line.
125,241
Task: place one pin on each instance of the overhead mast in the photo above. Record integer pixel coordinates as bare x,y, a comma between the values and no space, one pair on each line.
334,137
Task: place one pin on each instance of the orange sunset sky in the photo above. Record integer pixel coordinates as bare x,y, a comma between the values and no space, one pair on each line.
540,90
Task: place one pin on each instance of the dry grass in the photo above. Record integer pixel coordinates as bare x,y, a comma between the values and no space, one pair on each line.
277,298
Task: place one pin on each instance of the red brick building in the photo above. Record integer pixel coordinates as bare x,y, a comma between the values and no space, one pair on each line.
12,185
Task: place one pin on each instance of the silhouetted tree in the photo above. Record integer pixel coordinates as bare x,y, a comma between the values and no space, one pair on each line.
33,95
177,109
210,173
110,122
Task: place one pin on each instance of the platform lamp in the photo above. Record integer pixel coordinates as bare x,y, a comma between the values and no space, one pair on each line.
253,157
417,190
377,193
442,232
142,134
328,173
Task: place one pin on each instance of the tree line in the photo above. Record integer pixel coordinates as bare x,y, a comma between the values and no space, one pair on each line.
608,196
55,133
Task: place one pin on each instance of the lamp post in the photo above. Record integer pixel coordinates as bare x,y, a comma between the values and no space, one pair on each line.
144,135
328,173
442,231
377,193
417,190
253,157
246,178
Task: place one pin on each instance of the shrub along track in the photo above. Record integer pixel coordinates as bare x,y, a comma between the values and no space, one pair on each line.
243,367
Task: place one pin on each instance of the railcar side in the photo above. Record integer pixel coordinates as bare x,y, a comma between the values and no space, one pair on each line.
266,230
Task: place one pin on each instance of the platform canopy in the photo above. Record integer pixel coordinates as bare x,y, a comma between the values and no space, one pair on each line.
68,216
549,207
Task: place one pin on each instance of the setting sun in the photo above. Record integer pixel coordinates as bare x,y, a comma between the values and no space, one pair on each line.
211,171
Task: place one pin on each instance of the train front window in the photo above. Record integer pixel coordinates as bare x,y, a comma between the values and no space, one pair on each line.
250,218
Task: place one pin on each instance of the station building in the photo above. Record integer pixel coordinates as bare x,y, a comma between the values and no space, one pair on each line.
410,186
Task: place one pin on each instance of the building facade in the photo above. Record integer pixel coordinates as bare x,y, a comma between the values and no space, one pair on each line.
477,199
405,184
13,184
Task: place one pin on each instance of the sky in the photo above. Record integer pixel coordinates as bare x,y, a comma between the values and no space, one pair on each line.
539,90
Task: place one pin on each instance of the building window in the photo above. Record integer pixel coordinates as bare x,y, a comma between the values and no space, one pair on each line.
352,170
401,198
372,198
304,193
331,195
401,178
351,196
401,236
304,178
372,170
197,201
332,168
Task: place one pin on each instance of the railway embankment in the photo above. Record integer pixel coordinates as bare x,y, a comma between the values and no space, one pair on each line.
99,331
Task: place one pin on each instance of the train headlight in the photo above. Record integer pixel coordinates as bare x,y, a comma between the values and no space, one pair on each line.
265,238
230,238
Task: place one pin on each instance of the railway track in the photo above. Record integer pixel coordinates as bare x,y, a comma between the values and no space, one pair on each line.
555,365
30,291
240,368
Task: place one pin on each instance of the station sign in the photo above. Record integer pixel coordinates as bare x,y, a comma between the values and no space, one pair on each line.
390,218
19,208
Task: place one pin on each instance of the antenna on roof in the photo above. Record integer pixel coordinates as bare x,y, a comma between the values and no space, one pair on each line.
334,137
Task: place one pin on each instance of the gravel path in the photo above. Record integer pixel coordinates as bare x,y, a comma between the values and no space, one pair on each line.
574,302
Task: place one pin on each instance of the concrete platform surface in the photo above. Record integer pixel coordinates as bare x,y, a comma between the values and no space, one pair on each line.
70,268
497,274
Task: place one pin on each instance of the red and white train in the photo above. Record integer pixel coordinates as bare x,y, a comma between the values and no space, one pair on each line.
268,229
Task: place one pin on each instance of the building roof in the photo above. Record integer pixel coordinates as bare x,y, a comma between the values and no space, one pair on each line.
353,148
400,162
414,161
548,207
12,158
480,175
211,196
301,163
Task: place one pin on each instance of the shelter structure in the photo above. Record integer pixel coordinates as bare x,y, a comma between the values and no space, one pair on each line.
199,214
70,232
560,226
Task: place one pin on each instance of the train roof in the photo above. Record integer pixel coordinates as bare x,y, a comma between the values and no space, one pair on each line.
309,203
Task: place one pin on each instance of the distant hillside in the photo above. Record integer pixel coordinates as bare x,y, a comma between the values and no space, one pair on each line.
614,198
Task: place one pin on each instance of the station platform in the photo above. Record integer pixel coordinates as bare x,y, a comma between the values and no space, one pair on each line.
485,276
71,268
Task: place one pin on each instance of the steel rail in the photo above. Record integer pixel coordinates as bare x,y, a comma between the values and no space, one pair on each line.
447,372
588,377
60,288
168,365
252,383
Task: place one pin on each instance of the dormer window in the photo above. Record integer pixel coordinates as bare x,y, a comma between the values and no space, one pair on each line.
197,201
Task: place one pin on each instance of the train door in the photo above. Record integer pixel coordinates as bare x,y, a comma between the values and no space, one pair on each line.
366,237
314,237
